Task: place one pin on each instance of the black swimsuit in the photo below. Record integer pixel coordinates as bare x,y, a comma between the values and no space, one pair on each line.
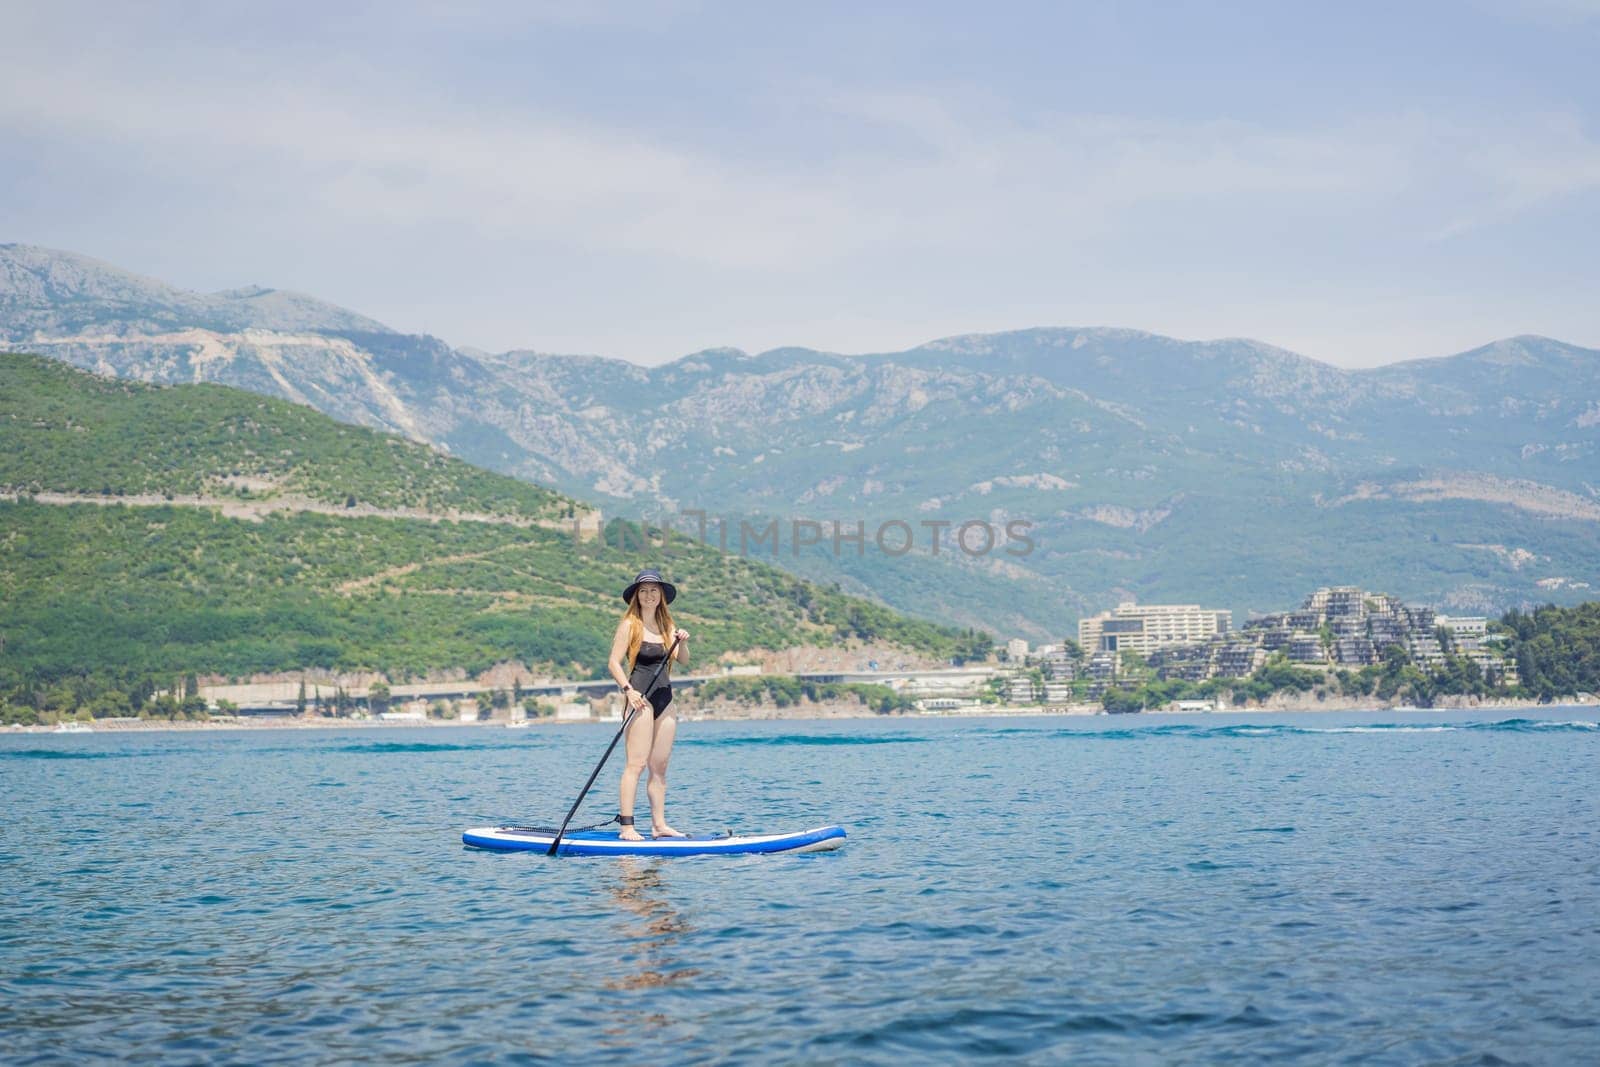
650,654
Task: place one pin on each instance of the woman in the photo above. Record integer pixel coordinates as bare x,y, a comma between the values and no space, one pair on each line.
639,647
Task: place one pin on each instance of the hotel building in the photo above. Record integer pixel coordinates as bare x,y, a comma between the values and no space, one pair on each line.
1143,628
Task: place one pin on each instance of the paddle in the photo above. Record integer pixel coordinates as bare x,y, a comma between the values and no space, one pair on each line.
626,719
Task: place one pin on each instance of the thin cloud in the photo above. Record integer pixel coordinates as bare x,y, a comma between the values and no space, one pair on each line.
948,178
1557,13
1522,168
896,209
531,178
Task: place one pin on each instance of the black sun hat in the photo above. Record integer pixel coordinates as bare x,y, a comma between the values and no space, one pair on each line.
668,590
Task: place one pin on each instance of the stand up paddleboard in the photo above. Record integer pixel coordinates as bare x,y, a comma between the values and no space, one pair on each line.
598,842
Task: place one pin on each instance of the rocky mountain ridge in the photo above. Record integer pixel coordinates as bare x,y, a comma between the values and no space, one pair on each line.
54,293
1226,471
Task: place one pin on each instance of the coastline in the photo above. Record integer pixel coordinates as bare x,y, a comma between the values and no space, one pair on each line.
812,713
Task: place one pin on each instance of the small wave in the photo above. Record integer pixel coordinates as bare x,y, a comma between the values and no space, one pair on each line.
803,739
1382,729
384,747
1286,730
1138,732
1530,725
1500,726
988,1032
1279,729
55,753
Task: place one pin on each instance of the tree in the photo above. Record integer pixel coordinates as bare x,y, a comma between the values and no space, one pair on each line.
21,715
1121,702
972,647
378,697
300,701
59,699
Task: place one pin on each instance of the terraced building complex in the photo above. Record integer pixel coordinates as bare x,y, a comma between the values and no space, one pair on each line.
1343,627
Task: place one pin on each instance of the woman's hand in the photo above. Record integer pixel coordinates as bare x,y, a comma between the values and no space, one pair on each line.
681,636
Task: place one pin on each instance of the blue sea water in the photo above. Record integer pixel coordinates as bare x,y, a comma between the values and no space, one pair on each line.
1371,888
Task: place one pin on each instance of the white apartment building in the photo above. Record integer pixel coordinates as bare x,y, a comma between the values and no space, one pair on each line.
1468,631
1057,693
1143,628
1020,690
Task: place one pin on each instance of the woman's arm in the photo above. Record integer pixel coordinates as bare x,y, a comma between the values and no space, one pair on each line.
619,667
619,651
682,655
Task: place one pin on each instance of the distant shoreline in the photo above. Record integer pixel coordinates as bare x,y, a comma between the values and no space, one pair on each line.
767,715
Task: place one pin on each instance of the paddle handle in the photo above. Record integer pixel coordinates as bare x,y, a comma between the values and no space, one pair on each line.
626,720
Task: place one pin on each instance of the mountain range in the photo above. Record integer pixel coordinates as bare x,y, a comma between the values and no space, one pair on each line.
1128,465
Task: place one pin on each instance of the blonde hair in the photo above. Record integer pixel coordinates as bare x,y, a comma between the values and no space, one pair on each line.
635,620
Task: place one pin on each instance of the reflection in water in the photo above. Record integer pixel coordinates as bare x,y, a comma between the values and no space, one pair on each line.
640,889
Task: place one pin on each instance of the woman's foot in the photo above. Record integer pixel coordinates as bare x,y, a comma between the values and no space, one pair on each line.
628,833
663,830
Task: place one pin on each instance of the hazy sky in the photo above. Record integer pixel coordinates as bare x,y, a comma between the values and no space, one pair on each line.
1357,182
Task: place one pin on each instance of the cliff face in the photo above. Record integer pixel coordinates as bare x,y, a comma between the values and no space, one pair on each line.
1227,471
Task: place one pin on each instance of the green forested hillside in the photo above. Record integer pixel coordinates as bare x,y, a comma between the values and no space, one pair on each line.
103,602
66,431
1557,649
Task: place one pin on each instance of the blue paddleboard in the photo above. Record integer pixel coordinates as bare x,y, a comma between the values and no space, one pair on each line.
607,843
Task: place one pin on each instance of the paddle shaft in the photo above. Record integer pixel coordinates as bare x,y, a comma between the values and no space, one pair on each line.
626,721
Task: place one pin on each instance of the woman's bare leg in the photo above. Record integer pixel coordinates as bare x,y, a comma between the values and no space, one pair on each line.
638,757
656,789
